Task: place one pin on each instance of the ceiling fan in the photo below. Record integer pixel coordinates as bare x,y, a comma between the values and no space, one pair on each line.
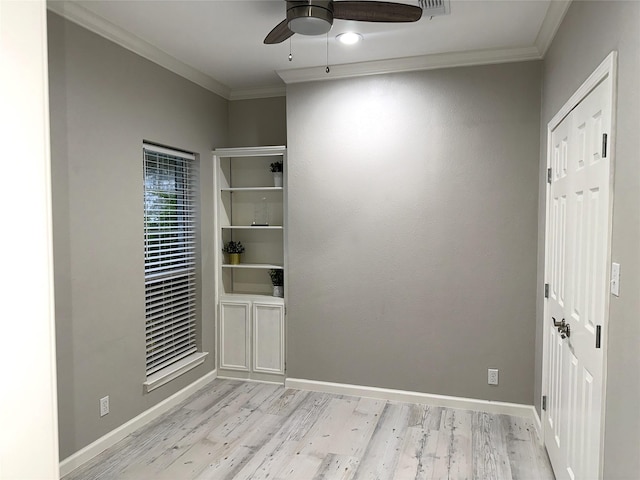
315,17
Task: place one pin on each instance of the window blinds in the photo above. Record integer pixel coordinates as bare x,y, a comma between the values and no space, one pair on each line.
170,236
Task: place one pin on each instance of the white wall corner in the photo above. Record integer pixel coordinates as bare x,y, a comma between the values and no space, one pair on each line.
75,13
82,456
263,92
28,400
489,406
411,64
551,23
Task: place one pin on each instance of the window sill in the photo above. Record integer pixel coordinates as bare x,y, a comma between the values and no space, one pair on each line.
173,371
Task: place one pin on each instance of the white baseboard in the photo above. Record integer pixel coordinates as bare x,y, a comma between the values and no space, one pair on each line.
82,456
489,406
250,380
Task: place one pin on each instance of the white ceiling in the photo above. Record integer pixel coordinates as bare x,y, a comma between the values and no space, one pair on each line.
219,44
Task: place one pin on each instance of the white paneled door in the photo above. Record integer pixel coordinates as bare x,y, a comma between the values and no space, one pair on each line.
578,254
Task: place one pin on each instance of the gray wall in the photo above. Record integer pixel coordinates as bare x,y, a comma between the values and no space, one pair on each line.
104,102
261,121
589,32
413,230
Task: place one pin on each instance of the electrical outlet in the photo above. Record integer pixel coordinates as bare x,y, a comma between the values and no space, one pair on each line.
493,376
104,406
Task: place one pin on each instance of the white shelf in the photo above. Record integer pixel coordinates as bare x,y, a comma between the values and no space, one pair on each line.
249,227
251,151
264,266
252,297
252,189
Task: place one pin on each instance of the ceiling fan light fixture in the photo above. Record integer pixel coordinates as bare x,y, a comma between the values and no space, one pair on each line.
309,19
315,17
349,38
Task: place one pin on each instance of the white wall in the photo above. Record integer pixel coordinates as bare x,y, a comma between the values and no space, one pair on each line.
412,230
28,417
260,121
105,101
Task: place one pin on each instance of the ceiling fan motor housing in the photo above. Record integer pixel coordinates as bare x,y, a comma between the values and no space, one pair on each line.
312,17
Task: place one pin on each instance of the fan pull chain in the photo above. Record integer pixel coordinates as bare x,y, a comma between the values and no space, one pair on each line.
290,55
327,69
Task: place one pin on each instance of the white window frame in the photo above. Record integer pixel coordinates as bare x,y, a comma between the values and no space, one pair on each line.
171,273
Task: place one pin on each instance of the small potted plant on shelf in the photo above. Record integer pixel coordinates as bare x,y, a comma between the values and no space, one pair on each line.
233,250
276,169
277,279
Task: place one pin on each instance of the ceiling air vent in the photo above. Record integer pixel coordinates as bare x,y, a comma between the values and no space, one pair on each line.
431,8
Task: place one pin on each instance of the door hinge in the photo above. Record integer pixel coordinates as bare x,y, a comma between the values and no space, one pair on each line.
548,175
546,290
604,145
598,336
544,403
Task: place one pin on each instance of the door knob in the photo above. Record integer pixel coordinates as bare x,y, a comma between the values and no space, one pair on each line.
563,328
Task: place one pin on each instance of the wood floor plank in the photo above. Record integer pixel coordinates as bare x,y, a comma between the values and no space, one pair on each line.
248,431
383,451
370,406
337,467
266,398
410,462
453,458
490,457
300,466
342,429
193,428
287,402
282,446
206,397
189,465
526,458
418,452
233,452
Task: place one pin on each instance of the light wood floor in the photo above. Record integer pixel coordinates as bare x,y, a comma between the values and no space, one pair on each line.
238,430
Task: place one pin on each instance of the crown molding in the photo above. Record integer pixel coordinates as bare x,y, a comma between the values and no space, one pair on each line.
409,64
552,20
263,92
83,17
87,19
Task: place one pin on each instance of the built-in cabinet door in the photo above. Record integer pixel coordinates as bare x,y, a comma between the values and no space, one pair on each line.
268,338
235,335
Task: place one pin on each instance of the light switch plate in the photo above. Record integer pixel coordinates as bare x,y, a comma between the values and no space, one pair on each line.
615,279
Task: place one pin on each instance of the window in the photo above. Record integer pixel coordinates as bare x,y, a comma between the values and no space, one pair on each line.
170,240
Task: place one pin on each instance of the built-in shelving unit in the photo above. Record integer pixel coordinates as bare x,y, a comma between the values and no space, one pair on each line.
250,209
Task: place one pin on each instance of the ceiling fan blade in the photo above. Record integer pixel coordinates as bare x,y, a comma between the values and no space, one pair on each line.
372,11
279,34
